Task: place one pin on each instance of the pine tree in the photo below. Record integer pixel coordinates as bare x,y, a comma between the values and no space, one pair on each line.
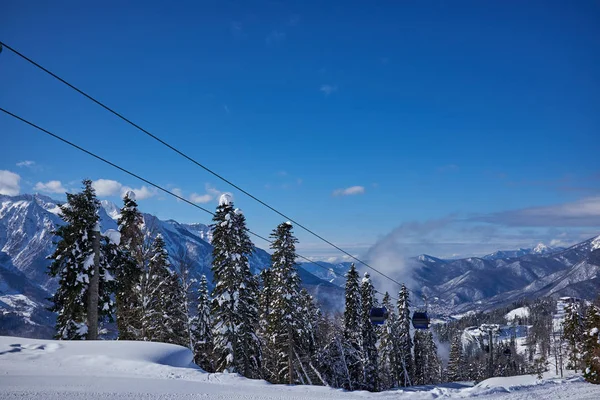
388,347
591,345
455,362
404,367
235,311
353,329
174,305
265,300
427,364
573,333
201,329
369,338
74,265
131,268
285,328
154,293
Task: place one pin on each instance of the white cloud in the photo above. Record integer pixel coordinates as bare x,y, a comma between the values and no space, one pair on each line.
140,193
50,187
328,89
583,212
26,163
352,190
200,198
9,183
107,187
178,192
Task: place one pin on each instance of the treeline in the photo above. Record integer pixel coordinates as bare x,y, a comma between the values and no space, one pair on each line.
263,326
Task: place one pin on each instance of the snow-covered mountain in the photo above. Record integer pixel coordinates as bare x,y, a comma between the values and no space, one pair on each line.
27,223
540,248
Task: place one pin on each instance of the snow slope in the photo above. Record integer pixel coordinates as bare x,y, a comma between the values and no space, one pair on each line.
53,370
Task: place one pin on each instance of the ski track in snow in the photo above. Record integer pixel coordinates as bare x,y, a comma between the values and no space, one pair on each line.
107,370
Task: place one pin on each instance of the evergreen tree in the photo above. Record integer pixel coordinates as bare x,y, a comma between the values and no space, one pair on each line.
573,333
591,345
333,365
131,268
265,299
455,361
74,265
353,329
369,337
235,311
174,305
154,293
201,329
404,367
427,364
285,328
388,347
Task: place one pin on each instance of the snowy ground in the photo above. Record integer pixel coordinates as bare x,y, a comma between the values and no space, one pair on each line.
106,370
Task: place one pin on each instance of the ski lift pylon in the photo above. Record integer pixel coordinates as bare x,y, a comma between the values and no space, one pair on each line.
378,315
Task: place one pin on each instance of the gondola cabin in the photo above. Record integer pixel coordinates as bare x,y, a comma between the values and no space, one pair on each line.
378,315
420,320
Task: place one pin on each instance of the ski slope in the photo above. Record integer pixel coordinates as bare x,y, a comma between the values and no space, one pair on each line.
107,370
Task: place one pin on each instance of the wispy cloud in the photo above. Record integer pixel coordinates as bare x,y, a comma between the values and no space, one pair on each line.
580,213
9,183
50,187
275,38
201,198
236,29
226,108
352,190
26,163
328,89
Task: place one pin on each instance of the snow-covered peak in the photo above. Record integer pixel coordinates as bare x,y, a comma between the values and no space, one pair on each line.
541,248
225,199
111,209
596,243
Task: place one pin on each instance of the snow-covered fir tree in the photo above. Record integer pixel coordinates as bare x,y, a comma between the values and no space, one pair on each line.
591,344
234,308
404,369
265,299
131,268
353,329
201,329
388,347
175,317
153,290
285,329
427,364
455,361
573,334
333,358
369,337
74,265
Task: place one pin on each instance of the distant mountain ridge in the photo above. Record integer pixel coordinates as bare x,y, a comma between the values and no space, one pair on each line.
541,248
451,286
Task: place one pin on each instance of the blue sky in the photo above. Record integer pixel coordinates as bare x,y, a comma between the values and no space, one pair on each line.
453,127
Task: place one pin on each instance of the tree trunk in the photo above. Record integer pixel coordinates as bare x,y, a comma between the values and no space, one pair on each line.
92,311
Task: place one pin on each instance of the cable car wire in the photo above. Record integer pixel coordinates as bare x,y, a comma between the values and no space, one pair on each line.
157,186
107,108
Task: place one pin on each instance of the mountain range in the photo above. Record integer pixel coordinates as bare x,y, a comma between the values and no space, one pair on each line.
451,286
